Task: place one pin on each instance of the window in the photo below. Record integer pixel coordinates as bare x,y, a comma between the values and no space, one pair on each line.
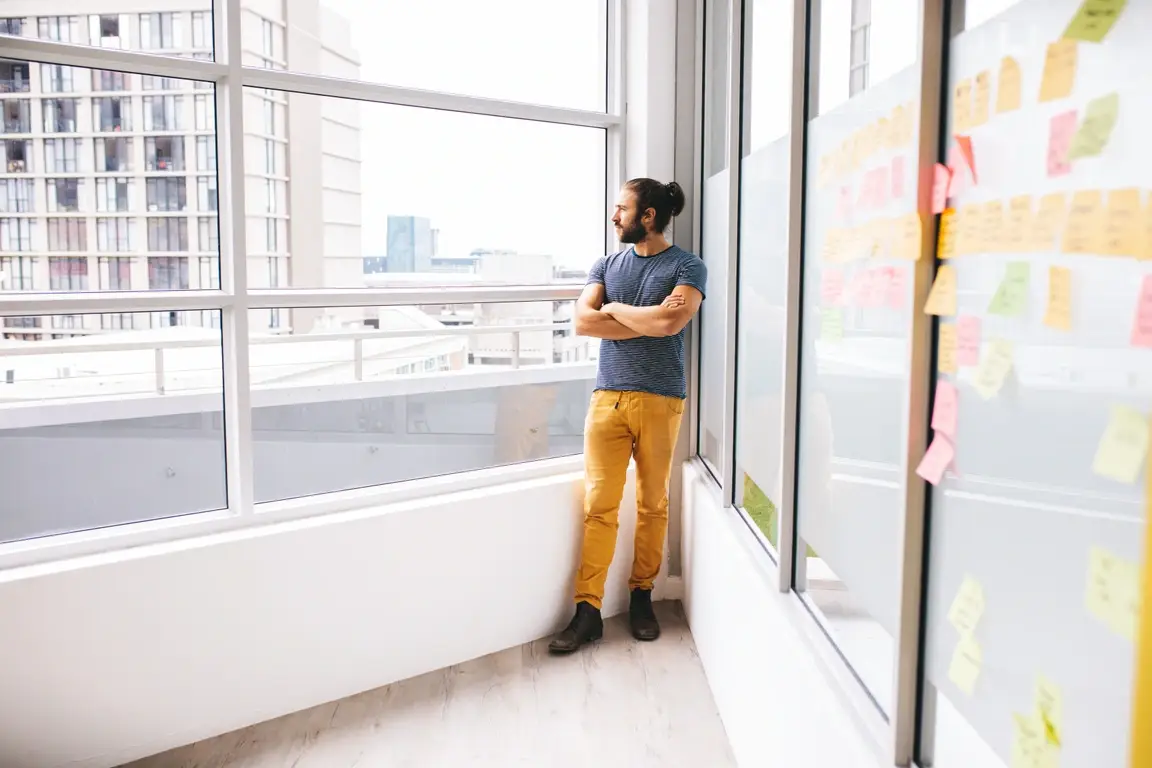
152,83
114,155
62,29
164,153
115,273
205,112
163,113
861,28
115,234
111,114
62,155
269,107
168,235
273,242
60,115
270,157
105,32
168,273
17,271
206,193
18,156
206,153
209,235
55,78
14,77
67,235
209,271
201,29
14,27
69,274
120,321
16,195
63,195
103,80
167,194
16,235
17,115
269,36
160,30
271,196
113,195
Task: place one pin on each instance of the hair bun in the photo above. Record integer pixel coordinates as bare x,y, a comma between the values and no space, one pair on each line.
676,194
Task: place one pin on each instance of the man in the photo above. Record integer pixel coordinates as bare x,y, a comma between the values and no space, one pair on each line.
637,301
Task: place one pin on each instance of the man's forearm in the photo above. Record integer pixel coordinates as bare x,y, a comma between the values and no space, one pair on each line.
603,326
646,321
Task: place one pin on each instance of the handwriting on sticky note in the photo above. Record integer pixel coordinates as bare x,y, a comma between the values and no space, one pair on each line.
1096,129
968,340
1009,87
991,227
1047,222
1015,234
968,220
1084,232
1142,326
1028,743
946,349
946,237
1012,295
1058,313
1112,592
1094,20
1061,130
946,409
967,659
1059,76
1123,446
937,458
962,105
1049,704
831,286
941,178
982,99
942,297
1123,224
967,606
831,324
995,365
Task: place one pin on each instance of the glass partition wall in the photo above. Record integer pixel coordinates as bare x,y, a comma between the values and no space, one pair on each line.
934,220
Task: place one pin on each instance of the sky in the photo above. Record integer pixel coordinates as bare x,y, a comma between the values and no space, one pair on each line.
484,182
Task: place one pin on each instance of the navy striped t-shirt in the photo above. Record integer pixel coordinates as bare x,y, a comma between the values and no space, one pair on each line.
646,364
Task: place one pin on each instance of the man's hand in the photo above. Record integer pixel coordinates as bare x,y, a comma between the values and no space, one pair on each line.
666,319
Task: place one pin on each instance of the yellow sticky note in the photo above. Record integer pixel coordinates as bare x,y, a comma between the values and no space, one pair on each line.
1047,222
1094,19
1014,236
995,365
968,221
831,323
942,297
833,244
1058,315
1059,70
908,237
1146,242
946,239
962,106
1011,295
1123,446
1010,86
991,227
967,606
967,659
982,99
946,361
1029,746
1112,592
1123,225
1050,707
1084,232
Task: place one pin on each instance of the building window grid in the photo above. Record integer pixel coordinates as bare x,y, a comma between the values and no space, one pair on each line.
13,27
55,78
64,195
67,274
113,195
16,196
16,235
166,194
168,273
60,115
14,77
113,155
206,194
18,272
860,46
164,153
115,235
18,156
164,113
115,273
17,115
62,155
103,80
67,234
160,31
111,114
167,234
62,29
206,153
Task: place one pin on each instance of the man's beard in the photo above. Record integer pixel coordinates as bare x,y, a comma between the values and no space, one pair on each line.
633,234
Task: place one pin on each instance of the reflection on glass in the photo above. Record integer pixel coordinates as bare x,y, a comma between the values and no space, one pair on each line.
1037,527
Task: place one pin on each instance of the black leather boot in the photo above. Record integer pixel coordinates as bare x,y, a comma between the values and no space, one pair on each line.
641,617
585,627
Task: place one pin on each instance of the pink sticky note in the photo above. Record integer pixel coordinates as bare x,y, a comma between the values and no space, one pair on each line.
940,183
1061,129
1142,327
867,289
895,293
965,145
936,459
879,187
898,177
968,340
960,177
946,409
831,287
844,204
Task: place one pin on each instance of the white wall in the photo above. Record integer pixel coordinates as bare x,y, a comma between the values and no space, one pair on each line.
780,700
112,658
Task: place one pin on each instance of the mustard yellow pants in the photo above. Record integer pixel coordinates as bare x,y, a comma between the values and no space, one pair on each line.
620,426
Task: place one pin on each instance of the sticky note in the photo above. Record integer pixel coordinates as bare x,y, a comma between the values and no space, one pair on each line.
1084,232
962,105
946,408
1094,20
909,237
946,349
968,221
1058,313
991,227
1095,130
1015,233
897,174
1010,86
1123,224
866,291
961,178
946,237
1029,747
1059,70
942,297
1061,130
936,459
831,287
967,659
1123,446
1142,327
831,324
1049,705
1012,295
967,154
1112,592
1047,222
895,292
968,340
967,606
995,365
833,246
941,178
982,99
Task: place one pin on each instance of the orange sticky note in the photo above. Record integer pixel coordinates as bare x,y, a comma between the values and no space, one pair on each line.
941,179
1008,93
1015,233
1123,226
1061,129
1058,315
982,98
961,178
936,459
946,408
1059,70
946,349
968,340
992,226
965,145
1084,232
942,297
1142,327
1047,222
962,105
946,241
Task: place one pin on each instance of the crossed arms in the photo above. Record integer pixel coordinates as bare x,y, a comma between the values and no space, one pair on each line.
617,321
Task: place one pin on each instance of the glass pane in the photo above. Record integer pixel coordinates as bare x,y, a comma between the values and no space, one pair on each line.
517,50
861,233
531,191
169,32
397,393
148,416
763,260
1038,527
887,34
135,195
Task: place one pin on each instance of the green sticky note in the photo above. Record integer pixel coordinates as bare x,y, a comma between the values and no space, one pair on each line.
1012,294
1094,20
832,324
1094,133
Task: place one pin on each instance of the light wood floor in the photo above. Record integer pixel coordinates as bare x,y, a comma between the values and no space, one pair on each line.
618,704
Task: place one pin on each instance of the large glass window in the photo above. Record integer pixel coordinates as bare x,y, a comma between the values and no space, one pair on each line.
60,115
17,115
167,194
16,195
64,195
62,29
168,234
57,79
16,234
159,31
14,77
69,274
18,156
114,155
163,113
67,234
164,153
112,114
113,194
17,271
115,234
62,155
168,273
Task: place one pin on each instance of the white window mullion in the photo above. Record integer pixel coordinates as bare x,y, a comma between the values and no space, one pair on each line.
615,138
732,126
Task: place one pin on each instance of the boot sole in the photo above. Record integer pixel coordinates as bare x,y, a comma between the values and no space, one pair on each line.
569,651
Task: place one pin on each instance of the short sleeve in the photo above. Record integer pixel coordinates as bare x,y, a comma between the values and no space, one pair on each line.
694,273
596,274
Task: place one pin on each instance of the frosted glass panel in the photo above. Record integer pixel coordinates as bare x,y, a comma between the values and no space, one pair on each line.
713,316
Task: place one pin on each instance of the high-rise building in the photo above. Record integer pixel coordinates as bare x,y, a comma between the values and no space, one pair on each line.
109,179
411,244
